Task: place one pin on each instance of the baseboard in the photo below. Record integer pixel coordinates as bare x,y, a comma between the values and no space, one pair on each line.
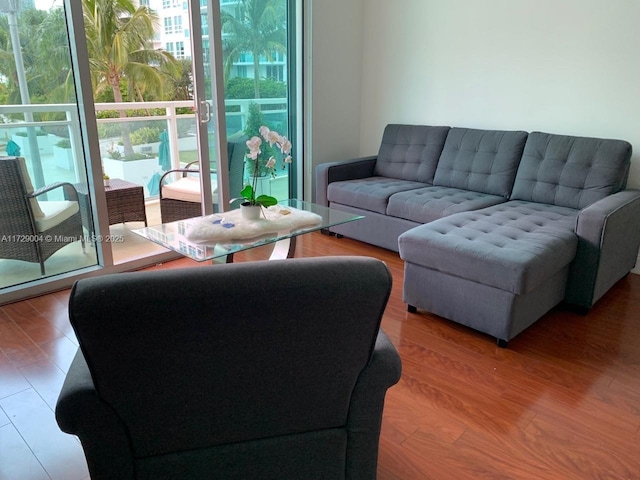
637,269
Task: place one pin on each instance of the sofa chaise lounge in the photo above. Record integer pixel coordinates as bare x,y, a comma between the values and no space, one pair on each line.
495,227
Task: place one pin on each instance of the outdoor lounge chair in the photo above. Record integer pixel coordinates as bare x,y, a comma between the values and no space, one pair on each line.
32,229
180,199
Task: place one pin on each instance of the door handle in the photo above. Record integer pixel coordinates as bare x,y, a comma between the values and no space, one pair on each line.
205,111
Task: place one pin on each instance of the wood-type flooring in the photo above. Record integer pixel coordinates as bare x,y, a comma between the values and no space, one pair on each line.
562,402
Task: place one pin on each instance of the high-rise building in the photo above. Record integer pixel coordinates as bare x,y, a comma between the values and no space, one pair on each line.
173,34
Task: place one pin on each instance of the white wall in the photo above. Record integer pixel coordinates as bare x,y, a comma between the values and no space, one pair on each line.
333,70
562,66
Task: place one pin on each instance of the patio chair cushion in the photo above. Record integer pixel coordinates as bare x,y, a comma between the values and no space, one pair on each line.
54,213
187,189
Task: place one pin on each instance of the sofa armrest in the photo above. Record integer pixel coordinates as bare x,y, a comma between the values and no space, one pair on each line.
367,404
104,438
352,169
608,241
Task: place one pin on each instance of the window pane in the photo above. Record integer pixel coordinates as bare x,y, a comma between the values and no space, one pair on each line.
48,233
254,36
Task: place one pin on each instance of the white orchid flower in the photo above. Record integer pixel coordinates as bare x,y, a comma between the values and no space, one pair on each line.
254,143
286,146
271,162
273,137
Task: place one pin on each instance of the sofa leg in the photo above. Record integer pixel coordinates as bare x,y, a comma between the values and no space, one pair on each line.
502,343
578,309
411,309
339,235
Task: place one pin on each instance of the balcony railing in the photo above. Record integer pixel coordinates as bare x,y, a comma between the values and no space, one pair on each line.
58,147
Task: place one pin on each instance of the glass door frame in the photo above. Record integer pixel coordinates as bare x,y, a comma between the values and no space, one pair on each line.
209,108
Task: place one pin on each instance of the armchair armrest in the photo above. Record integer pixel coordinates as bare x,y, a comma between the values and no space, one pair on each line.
81,412
608,241
352,169
70,192
367,403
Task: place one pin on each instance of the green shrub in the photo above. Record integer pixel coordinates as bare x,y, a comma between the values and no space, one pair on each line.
39,133
145,135
135,156
238,88
109,130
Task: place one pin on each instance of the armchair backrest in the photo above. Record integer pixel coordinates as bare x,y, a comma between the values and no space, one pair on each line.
15,185
193,358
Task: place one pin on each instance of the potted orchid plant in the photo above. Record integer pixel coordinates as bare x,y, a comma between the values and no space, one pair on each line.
273,138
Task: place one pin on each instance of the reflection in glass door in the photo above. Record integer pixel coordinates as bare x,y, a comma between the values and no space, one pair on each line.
45,215
257,91
243,48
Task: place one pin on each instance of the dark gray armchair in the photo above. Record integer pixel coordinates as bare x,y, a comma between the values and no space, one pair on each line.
243,371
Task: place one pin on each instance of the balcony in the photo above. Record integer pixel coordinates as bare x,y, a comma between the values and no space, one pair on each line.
59,157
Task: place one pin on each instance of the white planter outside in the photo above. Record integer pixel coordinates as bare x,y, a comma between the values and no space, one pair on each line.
134,171
263,184
45,143
63,157
184,144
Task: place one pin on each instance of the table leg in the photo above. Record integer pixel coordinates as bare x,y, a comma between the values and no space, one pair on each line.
284,248
226,259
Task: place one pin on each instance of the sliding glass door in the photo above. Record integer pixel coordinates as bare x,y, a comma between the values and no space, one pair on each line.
196,86
259,79
50,234
242,70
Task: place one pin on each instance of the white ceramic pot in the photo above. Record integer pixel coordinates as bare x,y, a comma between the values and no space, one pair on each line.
250,212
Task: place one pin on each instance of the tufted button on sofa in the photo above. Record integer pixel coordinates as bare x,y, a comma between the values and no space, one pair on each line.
495,227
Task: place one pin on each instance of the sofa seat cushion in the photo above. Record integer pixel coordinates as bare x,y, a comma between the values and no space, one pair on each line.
514,246
370,193
426,204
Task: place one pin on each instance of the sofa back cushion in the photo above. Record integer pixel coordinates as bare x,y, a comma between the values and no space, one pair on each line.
410,152
484,161
571,171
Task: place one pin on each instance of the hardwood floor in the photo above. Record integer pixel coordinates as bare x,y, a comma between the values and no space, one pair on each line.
562,402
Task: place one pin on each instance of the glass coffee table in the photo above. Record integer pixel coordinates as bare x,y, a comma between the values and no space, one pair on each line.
172,235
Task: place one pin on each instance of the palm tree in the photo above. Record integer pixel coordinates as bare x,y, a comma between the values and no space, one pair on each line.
29,22
259,28
119,35
7,65
54,58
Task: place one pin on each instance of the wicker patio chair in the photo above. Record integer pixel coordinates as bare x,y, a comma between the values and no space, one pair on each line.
180,199
30,229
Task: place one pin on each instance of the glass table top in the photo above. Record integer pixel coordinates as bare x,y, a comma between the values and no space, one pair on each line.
172,235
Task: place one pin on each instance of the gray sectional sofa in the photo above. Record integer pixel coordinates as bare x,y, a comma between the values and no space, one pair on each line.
495,227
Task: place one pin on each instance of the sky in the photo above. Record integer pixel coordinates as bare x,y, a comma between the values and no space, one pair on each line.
47,4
